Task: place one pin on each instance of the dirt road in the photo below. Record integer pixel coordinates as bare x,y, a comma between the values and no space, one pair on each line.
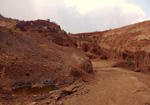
114,86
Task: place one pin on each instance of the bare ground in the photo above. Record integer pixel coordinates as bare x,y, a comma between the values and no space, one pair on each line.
113,86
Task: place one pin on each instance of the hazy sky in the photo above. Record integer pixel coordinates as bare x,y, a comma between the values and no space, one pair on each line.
77,16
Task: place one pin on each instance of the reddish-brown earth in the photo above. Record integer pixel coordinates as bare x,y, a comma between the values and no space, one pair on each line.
29,58
49,30
38,53
111,86
131,42
7,22
46,29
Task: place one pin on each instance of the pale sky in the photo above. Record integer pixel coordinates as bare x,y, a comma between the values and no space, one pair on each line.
78,16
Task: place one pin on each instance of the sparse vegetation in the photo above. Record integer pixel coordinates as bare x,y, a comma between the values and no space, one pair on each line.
58,68
44,46
69,33
40,26
94,37
89,40
84,37
48,20
10,29
129,60
17,29
80,36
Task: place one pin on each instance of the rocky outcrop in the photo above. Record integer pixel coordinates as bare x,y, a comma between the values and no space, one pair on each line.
85,41
128,43
85,46
38,26
49,30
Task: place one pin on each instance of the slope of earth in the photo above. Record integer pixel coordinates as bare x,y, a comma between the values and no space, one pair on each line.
130,43
7,22
47,29
112,86
28,59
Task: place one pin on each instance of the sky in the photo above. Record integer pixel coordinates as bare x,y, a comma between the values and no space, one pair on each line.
77,16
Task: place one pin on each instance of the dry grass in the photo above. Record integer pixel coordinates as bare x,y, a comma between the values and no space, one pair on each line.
44,46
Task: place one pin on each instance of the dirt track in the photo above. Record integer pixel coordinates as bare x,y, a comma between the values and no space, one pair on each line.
114,86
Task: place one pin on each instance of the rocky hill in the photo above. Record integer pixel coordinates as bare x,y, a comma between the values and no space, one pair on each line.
37,53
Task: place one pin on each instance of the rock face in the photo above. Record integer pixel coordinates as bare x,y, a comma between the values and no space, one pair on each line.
85,46
31,59
85,41
130,43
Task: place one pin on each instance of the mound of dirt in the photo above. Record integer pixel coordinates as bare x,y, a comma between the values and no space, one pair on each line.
28,59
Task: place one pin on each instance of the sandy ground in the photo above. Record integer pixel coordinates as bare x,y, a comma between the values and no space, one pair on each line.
113,86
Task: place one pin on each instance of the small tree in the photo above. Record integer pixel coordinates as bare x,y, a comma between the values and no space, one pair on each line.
48,20
84,37
69,32
10,29
80,36
94,37
129,60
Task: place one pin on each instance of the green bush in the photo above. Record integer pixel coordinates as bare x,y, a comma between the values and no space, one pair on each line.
94,37
48,20
80,37
10,29
40,26
84,37
69,32
129,60
58,68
